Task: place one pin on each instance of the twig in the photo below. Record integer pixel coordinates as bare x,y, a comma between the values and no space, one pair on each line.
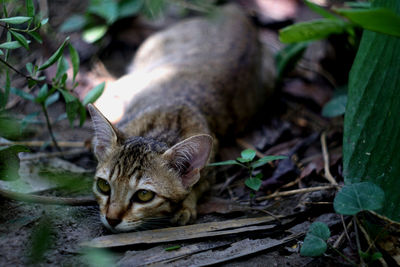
344,234
371,243
53,155
46,115
342,255
296,191
325,154
362,263
79,201
68,144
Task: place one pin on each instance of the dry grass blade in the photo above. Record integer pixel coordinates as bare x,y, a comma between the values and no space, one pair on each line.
183,232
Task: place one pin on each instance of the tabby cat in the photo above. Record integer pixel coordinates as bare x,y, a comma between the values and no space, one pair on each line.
193,83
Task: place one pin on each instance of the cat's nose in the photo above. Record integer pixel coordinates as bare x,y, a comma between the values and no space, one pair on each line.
113,222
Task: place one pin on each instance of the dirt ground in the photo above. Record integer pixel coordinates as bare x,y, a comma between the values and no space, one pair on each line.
291,125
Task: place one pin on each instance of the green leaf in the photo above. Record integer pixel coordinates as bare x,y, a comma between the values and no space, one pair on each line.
73,24
127,8
311,30
82,114
335,107
55,56
265,160
44,21
30,8
22,94
248,154
106,9
1,53
62,67
72,105
42,240
16,20
172,248
358,4
94,34
315,242
222,163
52,99
357,197
322,11
29,67
36,36
42,95
371,138
93,94
9,162
10,45
253,183
75,61
20,39
153,8
381,20
288,57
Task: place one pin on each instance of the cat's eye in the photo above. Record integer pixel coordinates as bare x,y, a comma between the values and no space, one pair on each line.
103,186
143,196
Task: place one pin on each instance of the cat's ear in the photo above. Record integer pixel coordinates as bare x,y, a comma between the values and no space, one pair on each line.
189,156
107,137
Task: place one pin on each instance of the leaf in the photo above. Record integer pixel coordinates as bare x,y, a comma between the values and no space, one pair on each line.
106,9
9,162
42,239
72,105
16,20
248,154
62,67
94,34
55,56
10,45
44,21
311,30
335,107
153,8
22,94
127,8
172,248
253,183
75,61
265,160
20,39
52,99
287,58
36,36
82,114
73,23
30,8
29,67
322,11
357,197
371,141
315,241
381,20
221,163
98,258
1,53
93,94
42,95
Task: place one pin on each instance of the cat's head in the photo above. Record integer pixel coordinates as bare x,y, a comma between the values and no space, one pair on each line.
138,180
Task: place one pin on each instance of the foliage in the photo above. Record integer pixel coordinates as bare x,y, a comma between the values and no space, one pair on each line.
337,105
315,241
9,161
20,32
247,161
371,138
100,15
41,239
357,197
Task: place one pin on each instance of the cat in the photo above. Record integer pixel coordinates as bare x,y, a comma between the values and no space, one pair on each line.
193,84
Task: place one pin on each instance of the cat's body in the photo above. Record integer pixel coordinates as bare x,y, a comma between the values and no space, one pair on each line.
197,81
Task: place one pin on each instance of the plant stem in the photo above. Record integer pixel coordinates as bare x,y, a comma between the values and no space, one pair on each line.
14,69
50,128
342,255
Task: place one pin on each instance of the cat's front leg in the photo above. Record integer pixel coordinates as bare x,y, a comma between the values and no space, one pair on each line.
188,212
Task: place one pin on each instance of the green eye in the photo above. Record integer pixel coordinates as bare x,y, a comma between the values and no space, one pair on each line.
103,186
144,196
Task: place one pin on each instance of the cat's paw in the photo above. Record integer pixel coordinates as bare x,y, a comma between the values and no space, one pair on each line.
187,214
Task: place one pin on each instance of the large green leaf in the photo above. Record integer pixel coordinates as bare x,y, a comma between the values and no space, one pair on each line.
371,141
315,241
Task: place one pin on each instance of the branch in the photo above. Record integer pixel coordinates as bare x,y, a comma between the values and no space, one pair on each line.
82,201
